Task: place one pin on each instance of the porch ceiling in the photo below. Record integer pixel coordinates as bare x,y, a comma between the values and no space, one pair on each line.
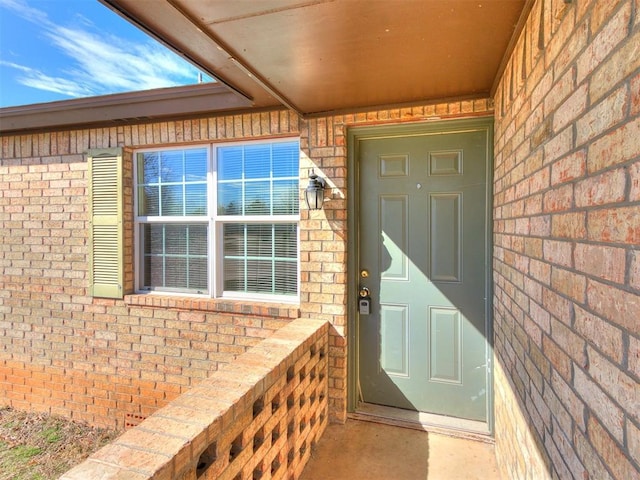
319,56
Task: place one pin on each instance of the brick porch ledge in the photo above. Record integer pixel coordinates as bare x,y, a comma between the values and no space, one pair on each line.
257,417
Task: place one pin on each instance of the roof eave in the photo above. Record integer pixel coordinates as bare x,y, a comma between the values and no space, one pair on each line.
130,107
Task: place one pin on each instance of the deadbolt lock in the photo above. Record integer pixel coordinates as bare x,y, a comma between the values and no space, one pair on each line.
364,273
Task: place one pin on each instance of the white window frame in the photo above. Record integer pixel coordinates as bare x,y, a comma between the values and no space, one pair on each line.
215,223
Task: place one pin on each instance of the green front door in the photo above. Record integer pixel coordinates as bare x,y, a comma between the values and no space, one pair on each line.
423,258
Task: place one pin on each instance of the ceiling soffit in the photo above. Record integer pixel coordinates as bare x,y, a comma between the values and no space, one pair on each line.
336,55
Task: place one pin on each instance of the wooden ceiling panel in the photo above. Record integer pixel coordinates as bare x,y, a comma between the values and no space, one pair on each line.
336,55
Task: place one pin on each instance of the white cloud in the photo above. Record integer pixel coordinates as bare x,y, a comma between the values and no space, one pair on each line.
109,63
15,65
99,62
34,78
56,84
25,11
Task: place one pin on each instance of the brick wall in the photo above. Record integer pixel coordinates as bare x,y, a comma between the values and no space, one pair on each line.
113,363
110,363
566,233
258,417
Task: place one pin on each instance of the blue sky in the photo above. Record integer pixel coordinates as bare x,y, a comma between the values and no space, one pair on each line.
61,49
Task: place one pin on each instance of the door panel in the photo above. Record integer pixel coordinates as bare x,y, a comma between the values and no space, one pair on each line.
444,248
393,218
394,344
445,345
423,240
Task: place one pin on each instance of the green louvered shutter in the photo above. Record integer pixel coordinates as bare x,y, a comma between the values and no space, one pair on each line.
106,263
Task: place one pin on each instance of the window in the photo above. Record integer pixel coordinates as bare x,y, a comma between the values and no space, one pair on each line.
219,220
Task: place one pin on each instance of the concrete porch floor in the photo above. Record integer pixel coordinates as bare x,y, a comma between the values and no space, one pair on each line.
372,451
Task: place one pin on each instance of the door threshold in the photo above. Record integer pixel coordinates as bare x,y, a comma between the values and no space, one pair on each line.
428,422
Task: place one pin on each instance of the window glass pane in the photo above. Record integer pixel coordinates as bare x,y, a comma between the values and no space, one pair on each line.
286,278
230,163
164,179
286,157
148,167
259,276
154,271
261,258
154,239
257,198
230,199
175,257
234,275
196,199
257,161
268,176
198,273
149,200
234,240
171,200
285,197
175,272
197,241
171,168
259,240
195,165
286,241
175,239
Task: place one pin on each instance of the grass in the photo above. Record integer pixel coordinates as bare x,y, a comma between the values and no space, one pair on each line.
35,446
52,434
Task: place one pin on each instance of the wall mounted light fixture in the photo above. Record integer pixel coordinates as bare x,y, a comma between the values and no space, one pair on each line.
314,194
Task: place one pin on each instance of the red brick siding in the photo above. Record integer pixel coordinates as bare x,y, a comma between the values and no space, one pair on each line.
104,361
566,315
259,417
115,362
